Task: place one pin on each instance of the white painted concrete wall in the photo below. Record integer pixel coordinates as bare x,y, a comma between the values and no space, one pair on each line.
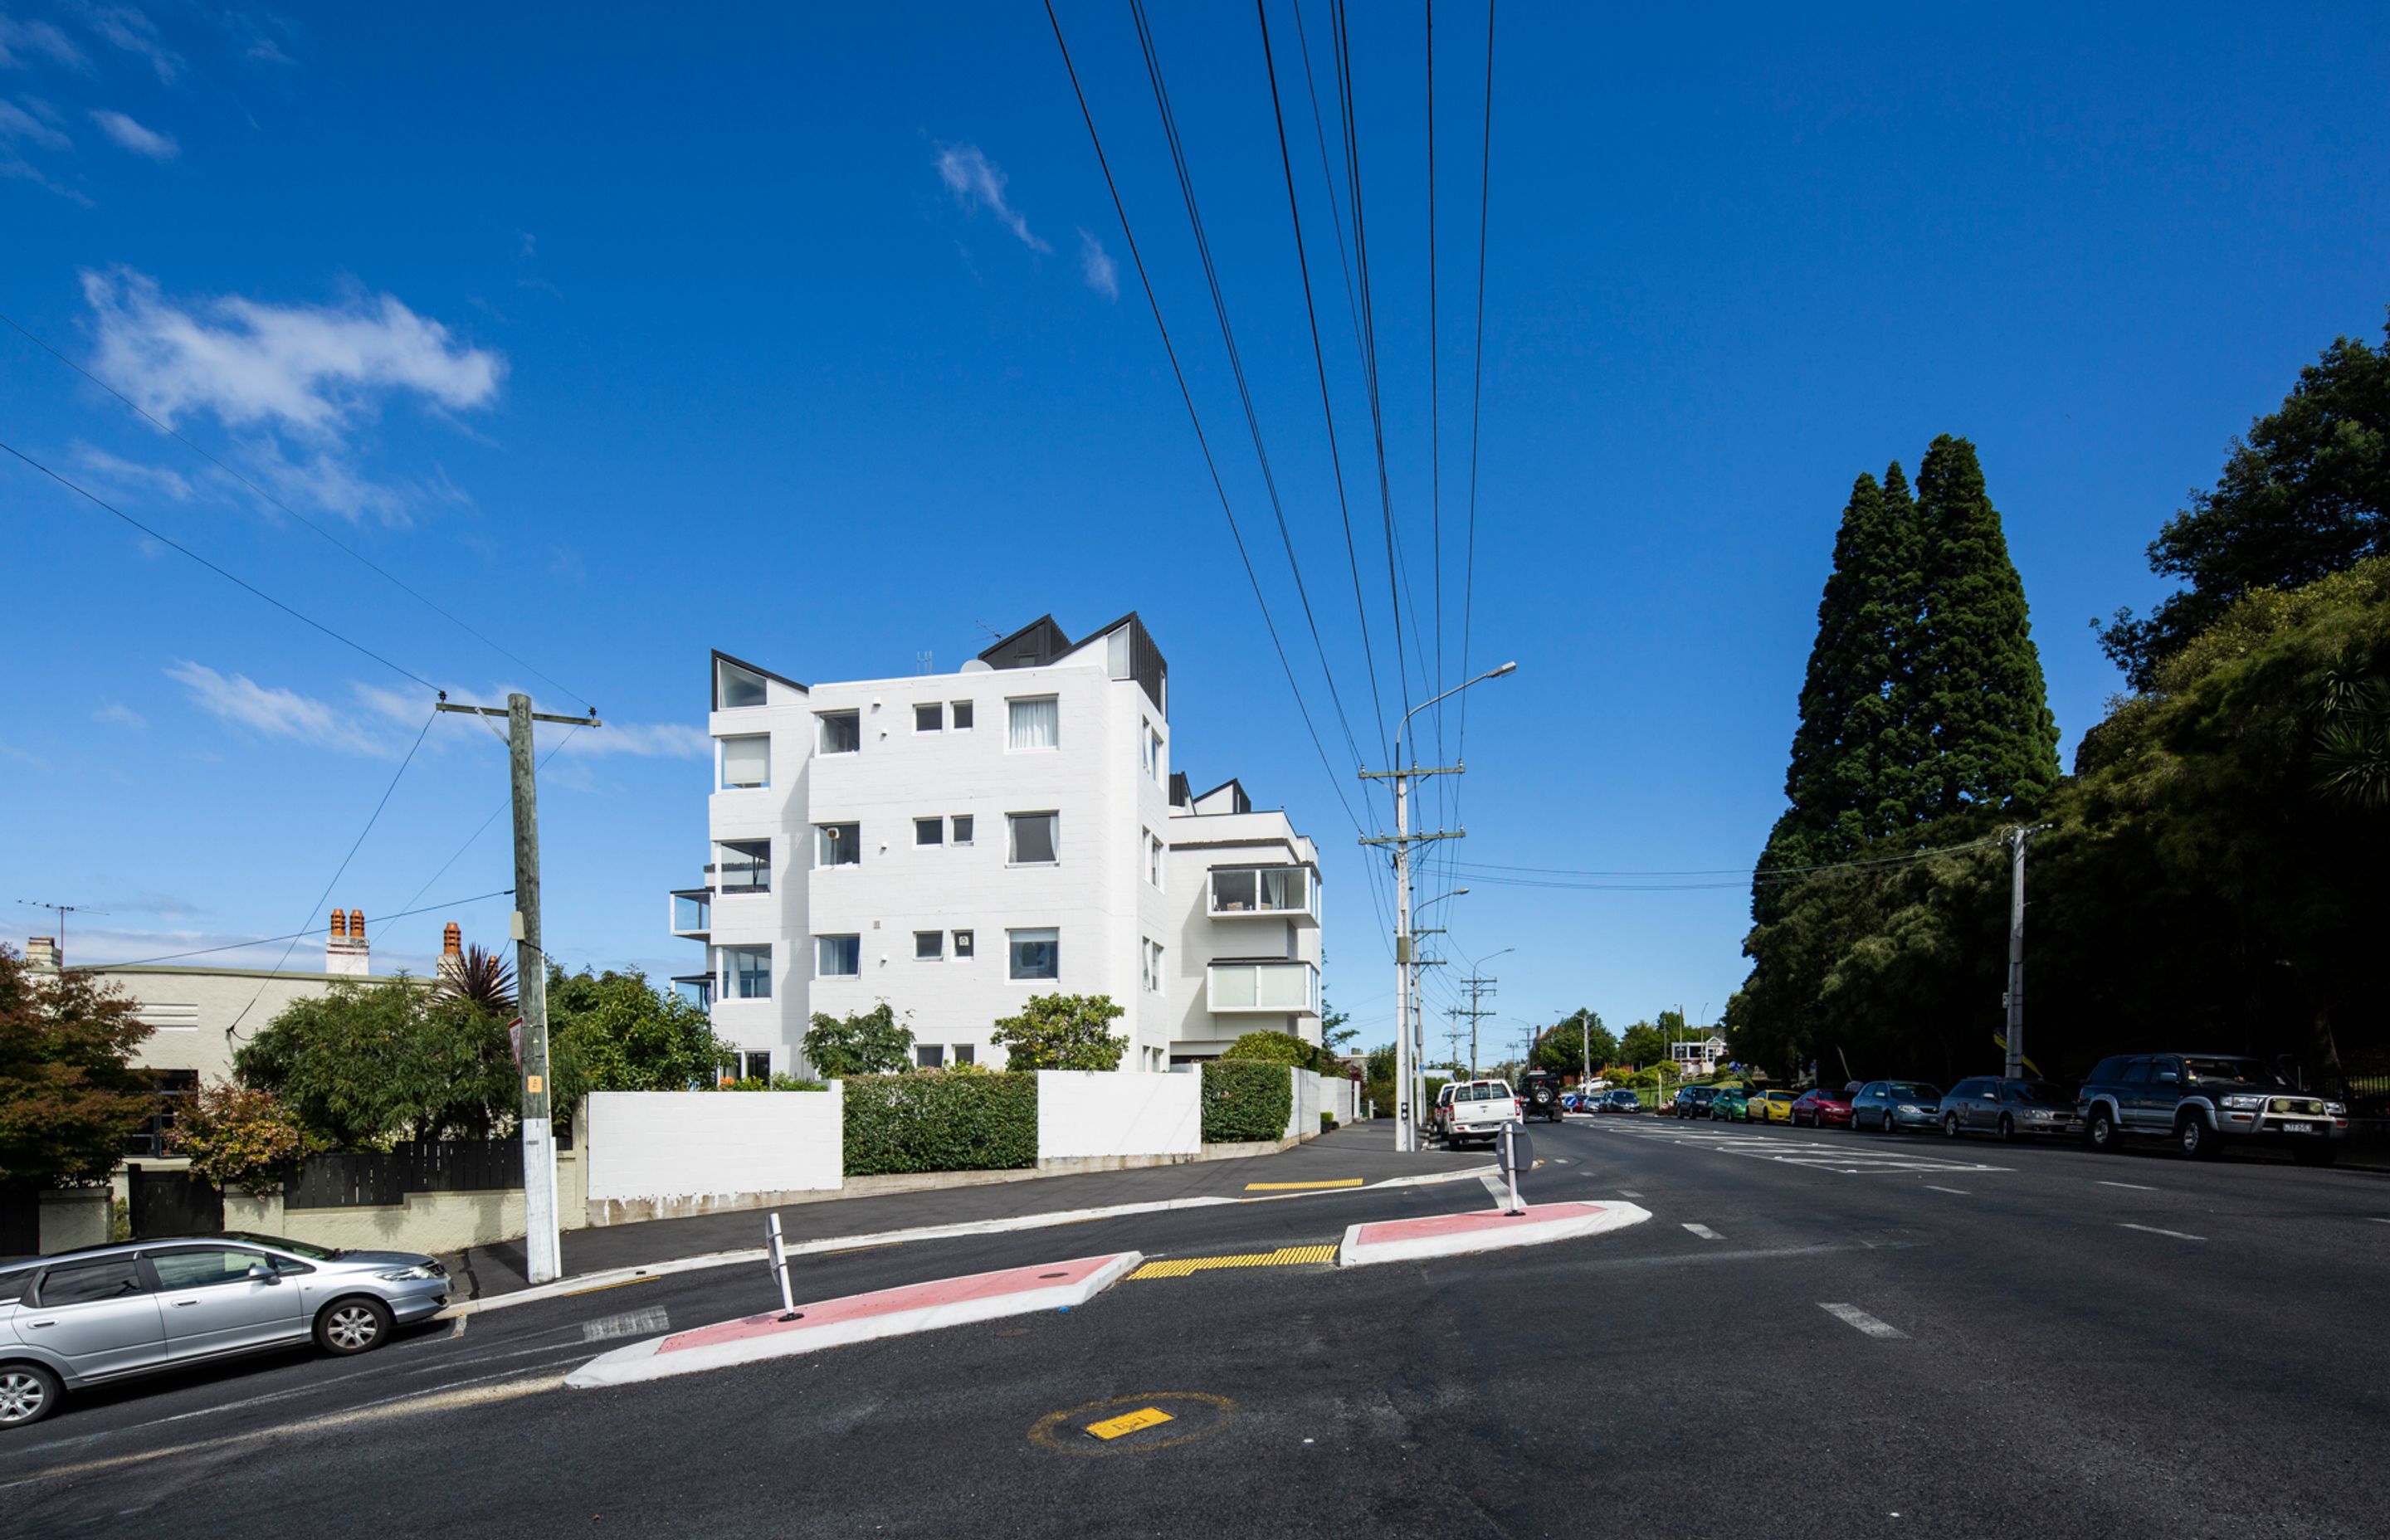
1303,1114
1084,1113
690,1150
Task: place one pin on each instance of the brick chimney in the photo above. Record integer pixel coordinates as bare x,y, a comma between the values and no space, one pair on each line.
345,950
451,953
42,955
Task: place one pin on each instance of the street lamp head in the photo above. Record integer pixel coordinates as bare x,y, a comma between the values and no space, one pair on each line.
1505,668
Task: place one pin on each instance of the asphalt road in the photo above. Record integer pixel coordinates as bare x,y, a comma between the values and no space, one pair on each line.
1816,1333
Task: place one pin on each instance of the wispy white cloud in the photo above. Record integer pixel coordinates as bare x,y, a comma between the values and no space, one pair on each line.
276,712
129,28
403,708
979,181
31,120
22,42
24,756
1097,266
131,135
307,369
118,714
131,474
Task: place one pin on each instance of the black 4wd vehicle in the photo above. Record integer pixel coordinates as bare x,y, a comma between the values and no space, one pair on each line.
1539,1095
2204,1101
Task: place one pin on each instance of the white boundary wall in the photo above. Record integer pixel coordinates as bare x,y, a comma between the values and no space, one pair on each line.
1337,1099
661,1154
1099,1114
1303,1113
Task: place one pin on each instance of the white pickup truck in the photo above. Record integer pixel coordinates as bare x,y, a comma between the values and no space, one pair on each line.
1470,1110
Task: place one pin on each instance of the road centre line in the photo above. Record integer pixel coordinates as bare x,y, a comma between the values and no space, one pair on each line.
2134,1186
1956,1192
1704,1232
1630,1192
2152,1229
1852,1316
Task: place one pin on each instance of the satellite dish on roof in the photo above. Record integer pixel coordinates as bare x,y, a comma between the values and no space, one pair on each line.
977,666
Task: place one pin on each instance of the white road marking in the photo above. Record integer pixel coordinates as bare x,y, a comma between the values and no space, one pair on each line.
1705,1232
1630,1192
2135,1186
1495,1190
2152,1229
1852,1316
2377,1221
636,1323
1956,1192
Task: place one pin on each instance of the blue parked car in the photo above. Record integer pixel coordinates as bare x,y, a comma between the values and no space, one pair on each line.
1896,1105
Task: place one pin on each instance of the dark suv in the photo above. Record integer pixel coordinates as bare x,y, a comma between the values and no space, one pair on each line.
1695,1101
1539,1092
2202,1102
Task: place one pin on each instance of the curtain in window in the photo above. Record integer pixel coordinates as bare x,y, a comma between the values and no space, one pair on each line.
1032,837
1282,889
1286,988
1036,724
746,761
1232,987
1036,954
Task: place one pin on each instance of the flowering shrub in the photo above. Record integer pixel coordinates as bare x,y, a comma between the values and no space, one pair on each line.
235,1136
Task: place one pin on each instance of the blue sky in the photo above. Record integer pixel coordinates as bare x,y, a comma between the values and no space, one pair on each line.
814,337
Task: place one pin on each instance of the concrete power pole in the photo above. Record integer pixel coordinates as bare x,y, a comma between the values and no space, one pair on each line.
2014,998
543,1249
1478,989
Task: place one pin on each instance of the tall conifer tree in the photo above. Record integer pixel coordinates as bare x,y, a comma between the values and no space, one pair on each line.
1978,681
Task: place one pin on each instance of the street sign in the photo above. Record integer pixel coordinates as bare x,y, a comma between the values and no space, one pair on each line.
514,1040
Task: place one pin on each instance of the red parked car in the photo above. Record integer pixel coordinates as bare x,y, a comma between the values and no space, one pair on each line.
1822,1108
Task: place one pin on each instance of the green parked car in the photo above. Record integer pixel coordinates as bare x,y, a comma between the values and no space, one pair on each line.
1731,1104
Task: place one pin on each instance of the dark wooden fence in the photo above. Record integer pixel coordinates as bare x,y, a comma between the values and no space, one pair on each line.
171,1203
373,1180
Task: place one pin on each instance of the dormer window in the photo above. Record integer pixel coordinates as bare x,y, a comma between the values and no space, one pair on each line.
735,687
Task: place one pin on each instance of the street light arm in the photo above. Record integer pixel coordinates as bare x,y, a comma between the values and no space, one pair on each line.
1489,674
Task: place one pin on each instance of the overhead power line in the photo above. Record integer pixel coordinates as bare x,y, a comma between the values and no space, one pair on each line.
298,935
388,576
228,576
1737,876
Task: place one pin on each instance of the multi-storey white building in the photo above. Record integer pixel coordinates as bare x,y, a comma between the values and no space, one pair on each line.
956,844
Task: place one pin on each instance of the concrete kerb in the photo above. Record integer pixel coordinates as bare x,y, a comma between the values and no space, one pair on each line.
585,1282
859,1318
1486,1230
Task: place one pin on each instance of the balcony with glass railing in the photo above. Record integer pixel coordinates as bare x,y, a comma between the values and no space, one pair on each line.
692,913
1282,892
1286,988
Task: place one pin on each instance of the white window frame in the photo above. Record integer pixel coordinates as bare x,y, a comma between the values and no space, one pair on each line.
934,827
960,828
819,972
1052,933
1012,703
821,732
960,716
963,944
722,781
730,974
939,724
1153,755
1153,863
938,955
723,668
821,833
1013,838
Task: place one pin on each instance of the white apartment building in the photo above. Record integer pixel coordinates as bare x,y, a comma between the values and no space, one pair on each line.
956,844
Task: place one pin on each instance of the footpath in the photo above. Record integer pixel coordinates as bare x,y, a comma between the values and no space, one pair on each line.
1358,1155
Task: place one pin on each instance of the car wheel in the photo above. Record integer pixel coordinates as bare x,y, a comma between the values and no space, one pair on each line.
352,1326
2008,1129
2196,1141
1950,1125
28,1393
2315,1154
2102,1134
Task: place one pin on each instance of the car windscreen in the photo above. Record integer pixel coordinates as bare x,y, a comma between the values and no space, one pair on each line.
1912,1090
1492,1090
2244,1071
2043,1093
295,1248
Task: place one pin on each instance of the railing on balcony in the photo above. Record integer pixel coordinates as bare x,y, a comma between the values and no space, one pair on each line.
1285,891
1281,988
692,912
742,869
695,988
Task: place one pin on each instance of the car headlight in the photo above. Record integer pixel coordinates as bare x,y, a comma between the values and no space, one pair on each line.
2244,1104
405,1274
2336,1108
1908,1107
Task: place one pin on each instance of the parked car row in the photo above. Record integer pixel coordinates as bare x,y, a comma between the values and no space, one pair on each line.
2198,1102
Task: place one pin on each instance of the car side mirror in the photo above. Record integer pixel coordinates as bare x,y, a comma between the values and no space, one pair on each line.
263,1273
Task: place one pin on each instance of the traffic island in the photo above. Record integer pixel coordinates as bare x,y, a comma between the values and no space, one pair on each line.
860,1319
1487,1230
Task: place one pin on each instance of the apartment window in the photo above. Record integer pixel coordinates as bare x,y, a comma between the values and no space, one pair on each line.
963,944
963,716
929,946
746,761
746,972
966,1053
1281,986
1153,752
695,990
929,831
841,732
1150,958
1036,724
838,844
735,687
928,1056
1036,953
838,956
1153,858
755,1064
962,829
743,867
1035,836
931,718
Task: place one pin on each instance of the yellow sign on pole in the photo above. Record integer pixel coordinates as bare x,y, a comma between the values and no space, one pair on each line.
1112,1428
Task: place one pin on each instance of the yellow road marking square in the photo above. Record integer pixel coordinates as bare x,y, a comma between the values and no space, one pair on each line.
1112,1428
1300,1186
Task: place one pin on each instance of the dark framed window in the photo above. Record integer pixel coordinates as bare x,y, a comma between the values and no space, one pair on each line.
929,718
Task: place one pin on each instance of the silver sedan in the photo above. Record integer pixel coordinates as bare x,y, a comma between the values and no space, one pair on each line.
107,1313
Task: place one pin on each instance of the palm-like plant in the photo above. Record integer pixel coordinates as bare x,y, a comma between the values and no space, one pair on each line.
2353,737
484,977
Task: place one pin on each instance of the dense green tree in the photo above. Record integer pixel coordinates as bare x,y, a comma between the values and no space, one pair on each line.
364,1065
867,1042
1562,1047
1062,1032
619,1032
69,1095
1978,676
2305,494
1642,1044
1282,1047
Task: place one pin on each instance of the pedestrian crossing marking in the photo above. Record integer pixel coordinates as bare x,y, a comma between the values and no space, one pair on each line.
1300,1186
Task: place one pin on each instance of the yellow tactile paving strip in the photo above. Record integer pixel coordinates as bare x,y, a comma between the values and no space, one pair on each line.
1285,1256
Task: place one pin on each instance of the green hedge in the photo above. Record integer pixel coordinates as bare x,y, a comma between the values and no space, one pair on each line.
940,1122
1245,1100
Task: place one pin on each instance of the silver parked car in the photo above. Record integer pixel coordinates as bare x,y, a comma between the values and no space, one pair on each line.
1890,1106
107,1313
2007,1108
